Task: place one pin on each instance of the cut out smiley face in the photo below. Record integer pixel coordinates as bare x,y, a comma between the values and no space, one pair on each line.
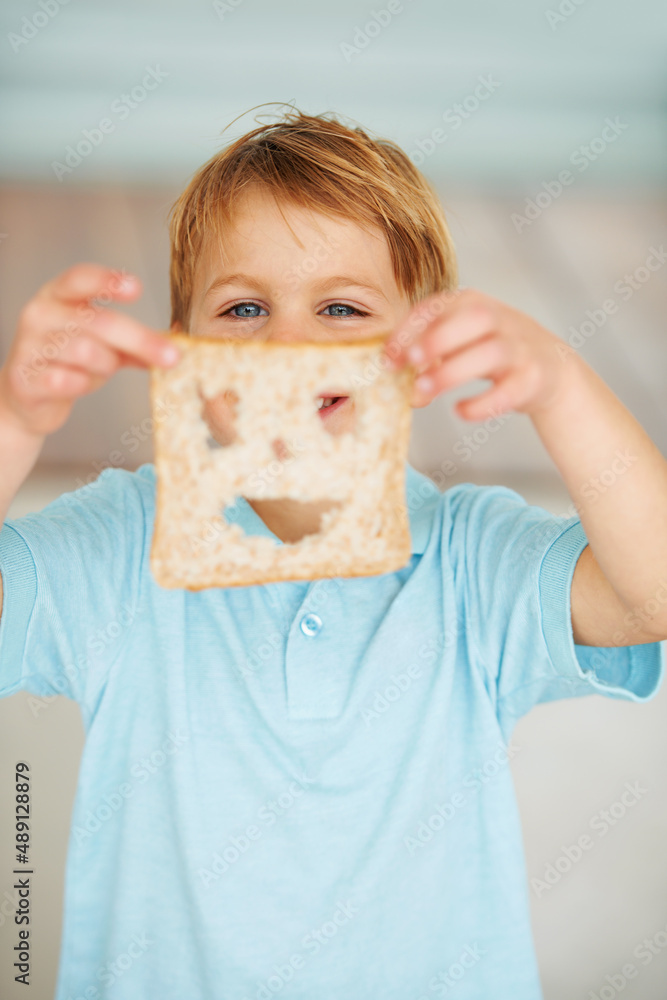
309,422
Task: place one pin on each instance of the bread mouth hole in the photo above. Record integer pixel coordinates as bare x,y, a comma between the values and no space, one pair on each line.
343,418
268,509
220,414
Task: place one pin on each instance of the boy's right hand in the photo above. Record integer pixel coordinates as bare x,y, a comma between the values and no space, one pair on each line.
65,347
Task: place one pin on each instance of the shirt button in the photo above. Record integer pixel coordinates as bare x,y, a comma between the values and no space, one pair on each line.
311,624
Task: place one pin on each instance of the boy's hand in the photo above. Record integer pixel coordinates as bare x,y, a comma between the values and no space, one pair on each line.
67,345
454,337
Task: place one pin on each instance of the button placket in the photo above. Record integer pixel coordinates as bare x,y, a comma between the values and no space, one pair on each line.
313,654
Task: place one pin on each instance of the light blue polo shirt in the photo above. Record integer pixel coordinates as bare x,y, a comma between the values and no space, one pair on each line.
302,789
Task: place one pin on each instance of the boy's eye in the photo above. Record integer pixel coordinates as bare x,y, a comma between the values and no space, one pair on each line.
246,310
341,305
251,310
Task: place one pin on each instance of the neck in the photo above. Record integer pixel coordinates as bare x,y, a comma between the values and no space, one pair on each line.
291,520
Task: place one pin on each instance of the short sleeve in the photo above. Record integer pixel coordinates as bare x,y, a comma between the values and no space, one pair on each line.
514,566
71,579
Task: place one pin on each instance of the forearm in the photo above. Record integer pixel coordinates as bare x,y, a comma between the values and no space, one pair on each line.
18,453
616,477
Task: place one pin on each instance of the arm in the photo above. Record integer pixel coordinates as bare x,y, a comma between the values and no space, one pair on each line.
617,479
18,453
65,347
614,473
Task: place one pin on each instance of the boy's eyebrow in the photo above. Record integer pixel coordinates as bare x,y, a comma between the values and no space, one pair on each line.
343,279
335,281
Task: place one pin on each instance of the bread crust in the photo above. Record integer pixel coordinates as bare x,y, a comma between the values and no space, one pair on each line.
277,383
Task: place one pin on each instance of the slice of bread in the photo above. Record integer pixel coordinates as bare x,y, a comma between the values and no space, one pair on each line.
277,385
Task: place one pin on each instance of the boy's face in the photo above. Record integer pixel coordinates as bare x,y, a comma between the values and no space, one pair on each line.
328,279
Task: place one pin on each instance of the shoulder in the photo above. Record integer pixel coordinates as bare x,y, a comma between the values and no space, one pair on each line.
493,510
115,485
453,518
465,506
468,521
116,499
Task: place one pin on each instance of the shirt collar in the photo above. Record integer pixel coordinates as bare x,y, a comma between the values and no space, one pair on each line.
420,496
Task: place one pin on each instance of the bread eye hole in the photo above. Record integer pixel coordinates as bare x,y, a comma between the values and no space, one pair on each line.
220,414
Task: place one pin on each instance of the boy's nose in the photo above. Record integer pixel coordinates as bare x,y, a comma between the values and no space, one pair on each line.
291,330
284,334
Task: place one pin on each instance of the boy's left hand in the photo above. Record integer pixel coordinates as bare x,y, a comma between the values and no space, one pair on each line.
453,337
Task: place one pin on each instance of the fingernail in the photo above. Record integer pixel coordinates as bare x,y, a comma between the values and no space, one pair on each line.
424,383
128,282
416,354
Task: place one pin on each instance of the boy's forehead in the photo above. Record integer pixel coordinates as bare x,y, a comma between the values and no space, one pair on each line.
259,221
258,235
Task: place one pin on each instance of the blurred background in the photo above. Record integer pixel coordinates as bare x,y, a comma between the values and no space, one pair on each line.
543,126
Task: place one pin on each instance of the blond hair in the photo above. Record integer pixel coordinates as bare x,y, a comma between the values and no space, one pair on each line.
316,162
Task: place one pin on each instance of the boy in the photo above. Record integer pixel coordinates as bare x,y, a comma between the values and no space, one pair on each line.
303,788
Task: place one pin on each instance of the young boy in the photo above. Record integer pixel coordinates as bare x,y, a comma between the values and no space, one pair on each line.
303,789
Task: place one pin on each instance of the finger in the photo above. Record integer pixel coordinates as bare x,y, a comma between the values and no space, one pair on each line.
92,281
85,282
61,382
484,358
453,333
50,326
95,361
89,354
134,339
507,394
127,361
420,317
